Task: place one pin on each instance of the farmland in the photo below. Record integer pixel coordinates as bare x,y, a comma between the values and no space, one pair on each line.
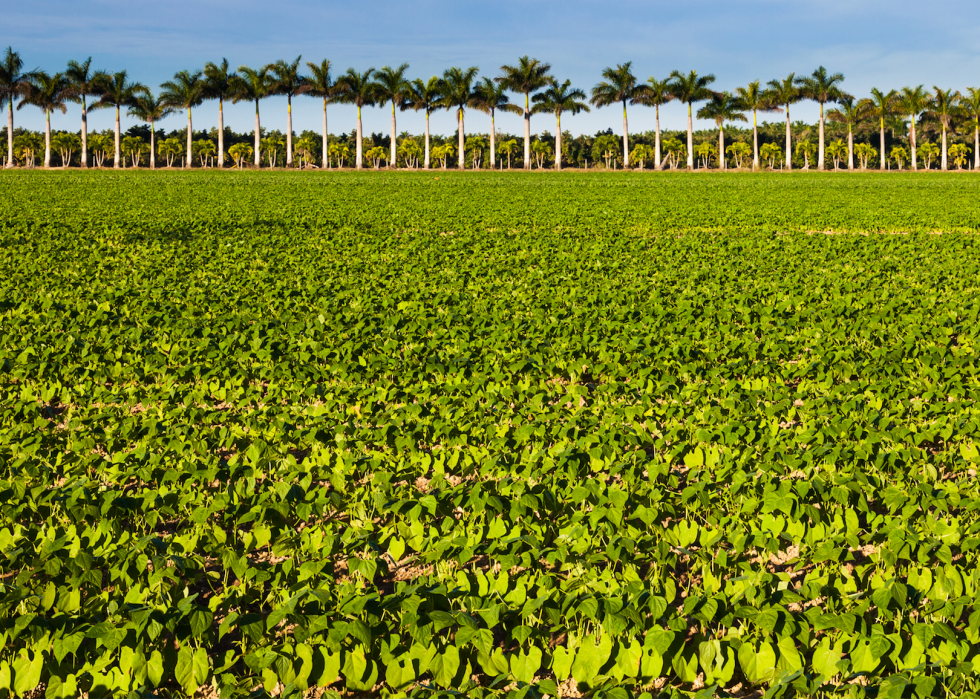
499,435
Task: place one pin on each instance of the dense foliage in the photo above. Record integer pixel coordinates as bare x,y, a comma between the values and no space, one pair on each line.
514,435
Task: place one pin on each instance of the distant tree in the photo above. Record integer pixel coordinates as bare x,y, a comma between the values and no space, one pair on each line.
204,150
771,153
541,151
722,107
13,81
865,152
320,84
970,105
755,99
240,152
928,151
705,152
151,110
66,144
250,85
392,86
185,91
358,89
171,149
425,97
784,93
911,102
657,94
218,85
805,150
285,80
959,152
880,106
526,77
490,96
134,148
100,145
838,150
82,83
739,151
606,148
507,148
821,87
46,92
944,107
899,155
558,99
457,93
640,154
849,112
619,86
689,89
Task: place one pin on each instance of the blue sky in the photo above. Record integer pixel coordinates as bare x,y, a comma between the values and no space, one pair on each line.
875,43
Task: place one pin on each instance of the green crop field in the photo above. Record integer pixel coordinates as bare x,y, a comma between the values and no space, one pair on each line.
489,435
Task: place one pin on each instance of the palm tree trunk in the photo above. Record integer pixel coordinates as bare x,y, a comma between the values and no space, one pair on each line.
47,138
626,140
84,133
976,147
393,162
558,143
789,142
656,141
820,163
527,134
755,141
360,151
427,164
915,161
721,146
289,130
850,148
153,147
258,141
462,153
944,148
221,132
10,132
690,138
882,143
493,142
115,157
326,149
190,142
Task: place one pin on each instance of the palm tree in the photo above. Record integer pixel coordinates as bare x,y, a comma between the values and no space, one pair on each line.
358,89
970,103
909,102
392,87
721,108
758,100
850,113
880,106
185,91
458,92
320,84
252,85
944,108
13,82
821,87
527,76
217,86
285,80
784,93
46,92
427,96
81,84
558,99
115,90
620,85
657,93
489,96
151,110
689,89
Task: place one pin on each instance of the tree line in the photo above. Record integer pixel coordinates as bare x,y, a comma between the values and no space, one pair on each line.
946,111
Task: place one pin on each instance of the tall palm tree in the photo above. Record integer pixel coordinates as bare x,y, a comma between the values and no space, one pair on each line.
821,87
755,98
527,76
689,89
849,112
357,89
115,90
457,93
46,92
250,85
151,110
620,85
784,93
217,86
971,108
392,86
320,84
945,106
910,102
82,82
426,97
489,96
880,106
657,93
721,108
185,91
13,81
286,80
558,99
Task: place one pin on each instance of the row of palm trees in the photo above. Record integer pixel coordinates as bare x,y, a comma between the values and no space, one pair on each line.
458,89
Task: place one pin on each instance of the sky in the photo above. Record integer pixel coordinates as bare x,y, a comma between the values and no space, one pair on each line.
874,43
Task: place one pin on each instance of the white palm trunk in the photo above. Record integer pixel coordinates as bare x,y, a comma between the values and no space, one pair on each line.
527,134
850,148
47,138
656,146
258,141
721,146
10,133
84,133
690,138
976,147
944,148
189,163
359,149
427,163
789,142
755,141
558,143
883,160
326,148
221,132
393,162
153,147
117,150
820,163
462,152
915,160
289,130
626,140
493,142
